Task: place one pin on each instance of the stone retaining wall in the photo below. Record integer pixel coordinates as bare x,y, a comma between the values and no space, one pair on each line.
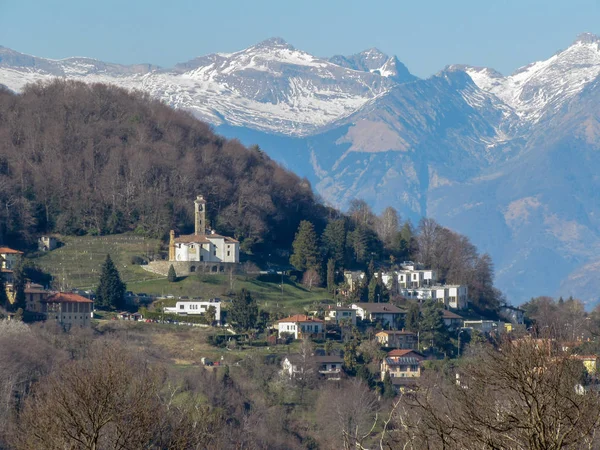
185,268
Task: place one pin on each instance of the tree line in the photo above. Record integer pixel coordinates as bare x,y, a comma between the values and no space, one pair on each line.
374,243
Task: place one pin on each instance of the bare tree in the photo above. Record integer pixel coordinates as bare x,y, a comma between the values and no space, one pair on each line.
311,278
522,395
349,414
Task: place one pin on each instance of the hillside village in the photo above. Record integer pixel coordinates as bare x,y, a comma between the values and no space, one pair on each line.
403,314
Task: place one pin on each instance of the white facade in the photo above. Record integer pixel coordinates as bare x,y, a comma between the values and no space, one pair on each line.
340,314
452,296
208,248
190,308
9,257
485,326
299,326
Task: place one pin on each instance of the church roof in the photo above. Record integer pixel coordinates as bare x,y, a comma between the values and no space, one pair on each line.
201,239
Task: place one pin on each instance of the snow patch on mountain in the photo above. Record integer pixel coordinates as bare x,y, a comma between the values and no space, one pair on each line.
541,88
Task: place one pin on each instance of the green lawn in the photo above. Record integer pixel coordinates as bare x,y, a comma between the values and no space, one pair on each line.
78,262
295,297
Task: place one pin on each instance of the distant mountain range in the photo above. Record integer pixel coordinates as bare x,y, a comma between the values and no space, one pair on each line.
511,161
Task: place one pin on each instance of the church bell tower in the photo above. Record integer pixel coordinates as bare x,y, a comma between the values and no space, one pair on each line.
200,216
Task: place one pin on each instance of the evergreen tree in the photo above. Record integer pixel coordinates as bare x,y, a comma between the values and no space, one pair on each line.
306,251
413,317
364,374
331,275
432,328
110,293
243,314
373,290
371,270
388,387
334,241
350,357
172,275
19,282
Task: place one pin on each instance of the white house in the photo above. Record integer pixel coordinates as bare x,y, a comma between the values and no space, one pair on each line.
386,313
452,296
8,260
328,366
204,245
300,326
485,326
339,314
196,308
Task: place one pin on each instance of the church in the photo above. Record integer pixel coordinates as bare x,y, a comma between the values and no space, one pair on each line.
204,245
202,251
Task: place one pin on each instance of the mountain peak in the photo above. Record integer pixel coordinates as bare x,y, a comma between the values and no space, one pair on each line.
587,38
274,42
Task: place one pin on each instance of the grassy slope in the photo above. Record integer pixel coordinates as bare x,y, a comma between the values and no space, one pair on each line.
77,265
78,262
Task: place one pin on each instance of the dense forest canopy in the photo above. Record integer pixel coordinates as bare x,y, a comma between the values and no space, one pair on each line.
81,159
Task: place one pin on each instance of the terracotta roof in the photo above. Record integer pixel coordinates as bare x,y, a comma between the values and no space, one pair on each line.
201,238
192,238
299,318
4,250
66,297
404,352
6,270
379,307
450,315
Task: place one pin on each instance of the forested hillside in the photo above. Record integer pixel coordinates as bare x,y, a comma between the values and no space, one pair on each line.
96,159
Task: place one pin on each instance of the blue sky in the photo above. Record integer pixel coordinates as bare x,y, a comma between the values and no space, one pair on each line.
425,35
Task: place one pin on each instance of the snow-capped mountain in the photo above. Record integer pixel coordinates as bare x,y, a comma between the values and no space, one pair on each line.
511,161
270,86
536,90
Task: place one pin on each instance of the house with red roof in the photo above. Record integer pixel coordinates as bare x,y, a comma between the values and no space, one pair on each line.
301,326
68,309
8,260
402,363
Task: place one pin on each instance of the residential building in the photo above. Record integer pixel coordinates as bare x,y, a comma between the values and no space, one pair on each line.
452,296
401,367
195,308
69,310
341,314
385,313
329,366
301,326
353,279
452,320
485,326
8,260
513,314
35,294
397,339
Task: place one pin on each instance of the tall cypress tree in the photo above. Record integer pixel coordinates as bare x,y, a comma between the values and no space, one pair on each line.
110,293
432,327
331,275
